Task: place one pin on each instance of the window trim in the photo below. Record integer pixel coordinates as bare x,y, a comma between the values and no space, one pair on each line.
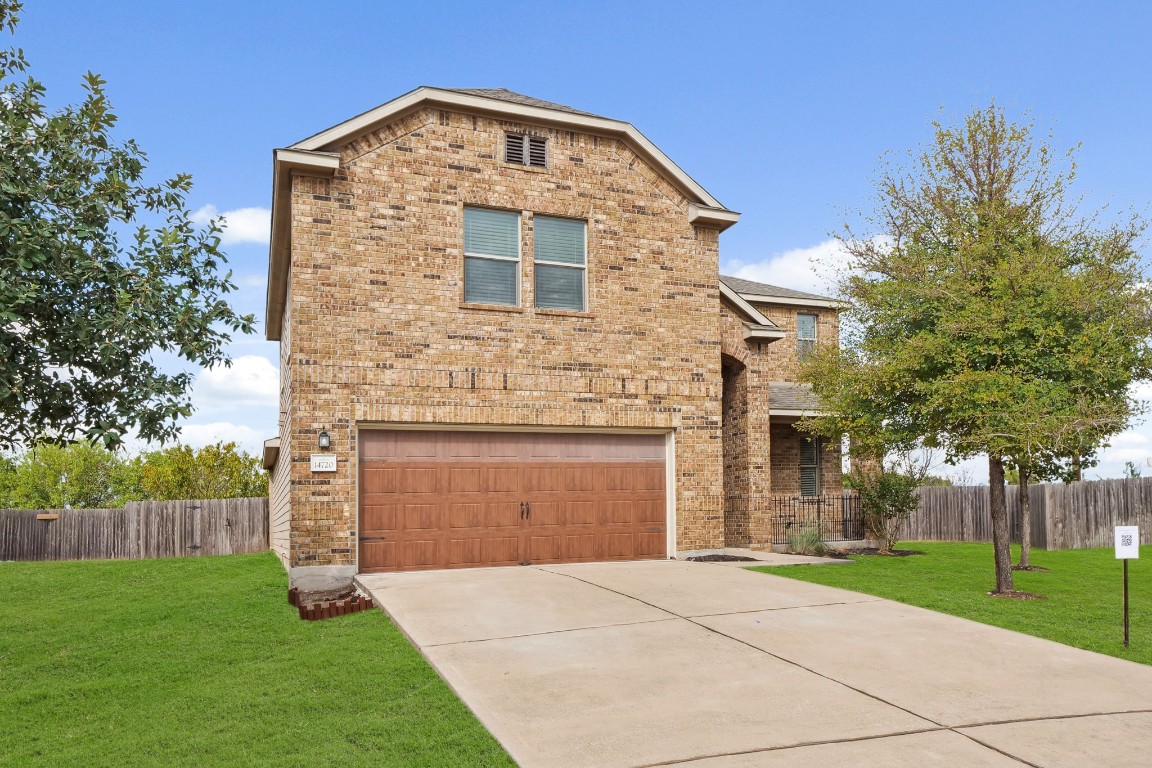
583,267
815,466
804,346
518,259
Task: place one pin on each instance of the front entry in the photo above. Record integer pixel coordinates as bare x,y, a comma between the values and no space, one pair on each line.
447,499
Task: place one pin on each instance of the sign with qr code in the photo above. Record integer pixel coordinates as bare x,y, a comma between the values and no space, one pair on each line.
1127,542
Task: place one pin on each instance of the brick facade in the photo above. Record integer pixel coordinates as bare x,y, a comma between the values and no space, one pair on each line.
377,331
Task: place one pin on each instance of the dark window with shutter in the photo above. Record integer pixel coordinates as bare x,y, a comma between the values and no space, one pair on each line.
809,466
526,150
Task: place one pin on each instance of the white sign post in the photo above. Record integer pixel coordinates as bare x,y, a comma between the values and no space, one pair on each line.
1127,548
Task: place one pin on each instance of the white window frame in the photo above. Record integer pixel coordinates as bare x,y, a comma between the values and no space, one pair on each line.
583,267
518,260
805,346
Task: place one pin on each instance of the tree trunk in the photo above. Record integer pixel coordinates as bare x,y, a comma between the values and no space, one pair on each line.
1001,534
1025,520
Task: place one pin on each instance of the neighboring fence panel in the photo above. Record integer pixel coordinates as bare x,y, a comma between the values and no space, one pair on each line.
1064,516
138,530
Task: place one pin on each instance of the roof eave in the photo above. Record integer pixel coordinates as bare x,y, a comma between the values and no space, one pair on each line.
271,453
795,301
286,162
750,312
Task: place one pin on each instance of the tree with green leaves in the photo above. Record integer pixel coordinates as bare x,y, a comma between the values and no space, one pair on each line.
219,471
987,317
81,475
100,273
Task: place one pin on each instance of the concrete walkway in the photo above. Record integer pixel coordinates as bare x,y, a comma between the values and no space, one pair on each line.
678,663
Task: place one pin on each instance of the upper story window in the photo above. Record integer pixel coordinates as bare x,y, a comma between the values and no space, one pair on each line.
491,257
526,150
805,335
809,466
560,254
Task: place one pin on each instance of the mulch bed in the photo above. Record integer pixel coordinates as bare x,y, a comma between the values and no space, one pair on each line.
721,559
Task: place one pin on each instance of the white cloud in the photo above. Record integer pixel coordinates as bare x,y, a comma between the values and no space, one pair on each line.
251,380
241,225
199,435
811,269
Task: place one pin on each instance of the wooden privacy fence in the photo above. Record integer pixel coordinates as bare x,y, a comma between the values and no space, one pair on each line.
138,530
1063,515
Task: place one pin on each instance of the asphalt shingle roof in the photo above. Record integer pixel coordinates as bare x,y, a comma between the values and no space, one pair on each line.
503,94
786,396
740,285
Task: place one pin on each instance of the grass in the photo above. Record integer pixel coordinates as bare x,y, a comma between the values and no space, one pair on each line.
200,661
1083,599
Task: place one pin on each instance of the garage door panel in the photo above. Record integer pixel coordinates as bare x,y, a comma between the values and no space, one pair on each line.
465,552
543,514
580,479
579,547
422,517
466,515
649,511
502,479
420,480
619,545
443,500
504,550
544,549
649,478
421,553
650,544
382,517
465,480
502,515
580,512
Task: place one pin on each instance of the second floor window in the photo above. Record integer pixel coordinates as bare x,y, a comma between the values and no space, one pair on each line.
561,262
805,335
491,257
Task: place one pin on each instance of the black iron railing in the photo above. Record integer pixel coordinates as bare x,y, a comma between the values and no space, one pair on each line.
838,517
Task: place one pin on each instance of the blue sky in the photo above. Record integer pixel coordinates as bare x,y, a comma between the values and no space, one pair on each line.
781,110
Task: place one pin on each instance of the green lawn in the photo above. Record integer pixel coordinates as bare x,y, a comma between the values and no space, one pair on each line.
1083,605
200,661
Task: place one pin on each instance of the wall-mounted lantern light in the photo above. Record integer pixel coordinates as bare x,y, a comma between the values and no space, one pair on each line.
323,440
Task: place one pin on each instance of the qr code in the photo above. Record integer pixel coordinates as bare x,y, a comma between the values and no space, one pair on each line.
1125,539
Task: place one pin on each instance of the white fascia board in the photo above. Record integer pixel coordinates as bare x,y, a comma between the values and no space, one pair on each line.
519,112
763,334
793,301
285,163
271,452
747,309
703,215
792,414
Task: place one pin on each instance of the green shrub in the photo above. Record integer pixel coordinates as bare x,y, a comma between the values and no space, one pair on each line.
808,540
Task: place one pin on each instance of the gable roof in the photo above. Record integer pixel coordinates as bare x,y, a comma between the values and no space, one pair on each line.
518,98
751,290
318,155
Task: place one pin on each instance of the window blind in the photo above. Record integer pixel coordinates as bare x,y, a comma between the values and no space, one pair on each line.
491,233
490,281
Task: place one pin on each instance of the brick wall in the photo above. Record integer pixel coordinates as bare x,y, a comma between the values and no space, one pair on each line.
380,333
786,462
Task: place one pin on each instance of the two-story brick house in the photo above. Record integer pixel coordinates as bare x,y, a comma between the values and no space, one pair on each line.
504,318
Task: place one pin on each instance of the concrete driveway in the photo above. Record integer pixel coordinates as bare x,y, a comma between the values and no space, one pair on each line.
681,663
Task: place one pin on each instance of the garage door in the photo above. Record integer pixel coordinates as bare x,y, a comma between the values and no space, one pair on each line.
471,499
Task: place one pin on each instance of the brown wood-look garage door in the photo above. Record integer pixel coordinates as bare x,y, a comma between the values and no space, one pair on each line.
471,499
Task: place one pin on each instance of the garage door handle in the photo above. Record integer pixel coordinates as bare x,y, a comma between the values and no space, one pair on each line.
521,510
529,508
373,538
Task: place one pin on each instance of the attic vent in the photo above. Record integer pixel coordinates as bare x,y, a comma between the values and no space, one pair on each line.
526,150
